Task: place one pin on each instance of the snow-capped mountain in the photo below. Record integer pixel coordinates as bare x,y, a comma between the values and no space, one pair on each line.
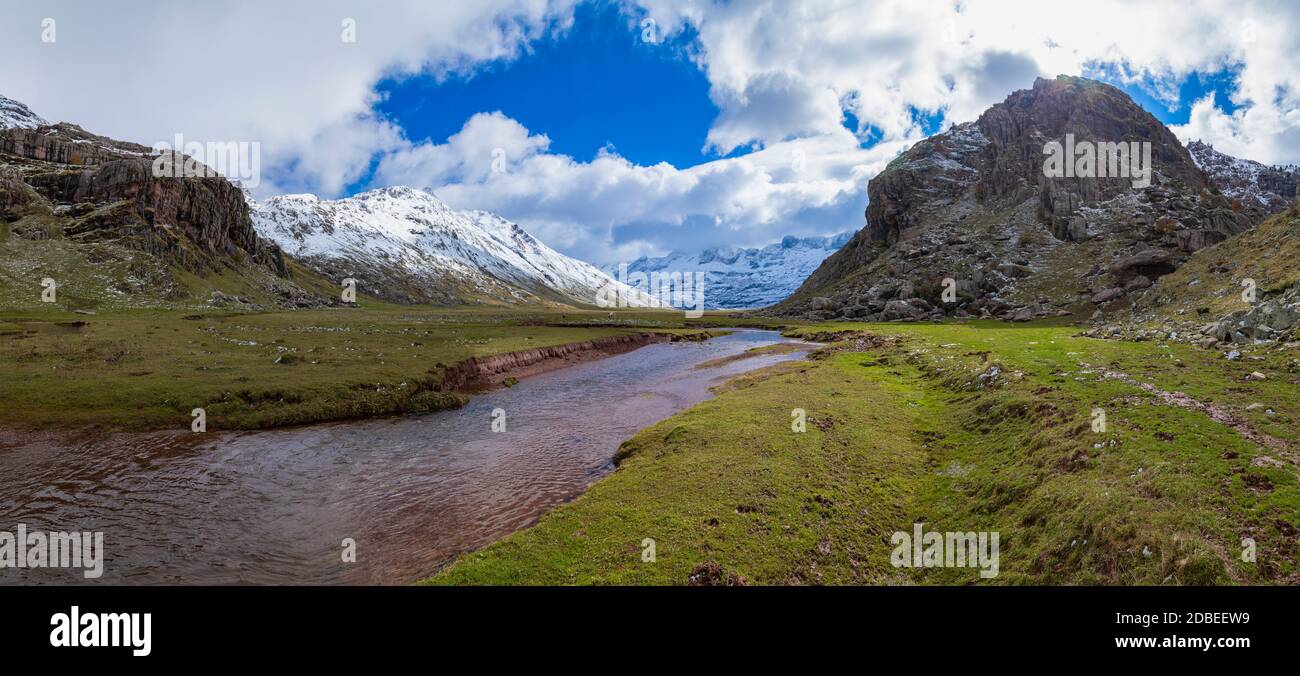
738,278
1269,188
15,114
406,245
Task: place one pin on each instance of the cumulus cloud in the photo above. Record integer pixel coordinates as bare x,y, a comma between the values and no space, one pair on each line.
278,73
887,60
612,209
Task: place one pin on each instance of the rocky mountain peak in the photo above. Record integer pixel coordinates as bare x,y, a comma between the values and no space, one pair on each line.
1255,185
1031,210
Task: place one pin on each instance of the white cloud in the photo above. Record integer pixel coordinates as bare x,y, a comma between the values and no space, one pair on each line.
278,73
888,59
610,208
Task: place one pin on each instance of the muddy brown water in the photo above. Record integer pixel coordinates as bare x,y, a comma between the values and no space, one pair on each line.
413,492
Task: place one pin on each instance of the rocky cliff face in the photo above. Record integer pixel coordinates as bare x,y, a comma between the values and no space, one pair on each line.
1243,291
106,191
978,212
61,183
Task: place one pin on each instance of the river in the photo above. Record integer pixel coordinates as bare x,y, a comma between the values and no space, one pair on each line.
412,492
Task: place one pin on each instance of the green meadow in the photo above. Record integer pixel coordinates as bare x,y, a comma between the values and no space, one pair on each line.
959,427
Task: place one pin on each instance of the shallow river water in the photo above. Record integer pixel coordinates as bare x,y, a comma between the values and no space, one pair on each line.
413,492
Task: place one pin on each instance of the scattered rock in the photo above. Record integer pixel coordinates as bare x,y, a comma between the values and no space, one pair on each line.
1266,461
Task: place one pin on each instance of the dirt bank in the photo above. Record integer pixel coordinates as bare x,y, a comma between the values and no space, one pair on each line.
481,373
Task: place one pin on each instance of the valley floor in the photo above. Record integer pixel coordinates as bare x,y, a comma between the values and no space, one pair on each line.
980,427
970,427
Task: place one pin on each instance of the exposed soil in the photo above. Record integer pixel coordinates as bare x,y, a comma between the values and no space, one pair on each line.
1216,413
484,373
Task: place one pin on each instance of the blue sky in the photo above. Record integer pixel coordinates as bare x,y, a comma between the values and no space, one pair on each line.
597,84
1155,95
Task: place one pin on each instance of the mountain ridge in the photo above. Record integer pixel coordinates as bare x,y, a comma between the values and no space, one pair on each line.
405,245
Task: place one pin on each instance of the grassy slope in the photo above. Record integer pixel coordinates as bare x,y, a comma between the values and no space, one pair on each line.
146,369
902,434
1268,253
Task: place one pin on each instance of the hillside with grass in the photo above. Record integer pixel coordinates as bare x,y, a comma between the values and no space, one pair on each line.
1208,289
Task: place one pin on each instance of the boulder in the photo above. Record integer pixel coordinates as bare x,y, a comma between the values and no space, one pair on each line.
1107,296
1015,270
1151,263
1138,283
897,309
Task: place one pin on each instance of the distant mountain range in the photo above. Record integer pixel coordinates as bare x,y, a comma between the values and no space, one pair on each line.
971,204
737,278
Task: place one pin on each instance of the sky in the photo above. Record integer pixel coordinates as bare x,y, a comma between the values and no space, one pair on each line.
618,128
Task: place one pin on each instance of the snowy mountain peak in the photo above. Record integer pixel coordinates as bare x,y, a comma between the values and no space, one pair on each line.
745,277
405,244
1254,184
15,114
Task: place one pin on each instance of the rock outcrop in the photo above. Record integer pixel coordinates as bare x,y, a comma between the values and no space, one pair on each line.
106,191
1256,187
1242,291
